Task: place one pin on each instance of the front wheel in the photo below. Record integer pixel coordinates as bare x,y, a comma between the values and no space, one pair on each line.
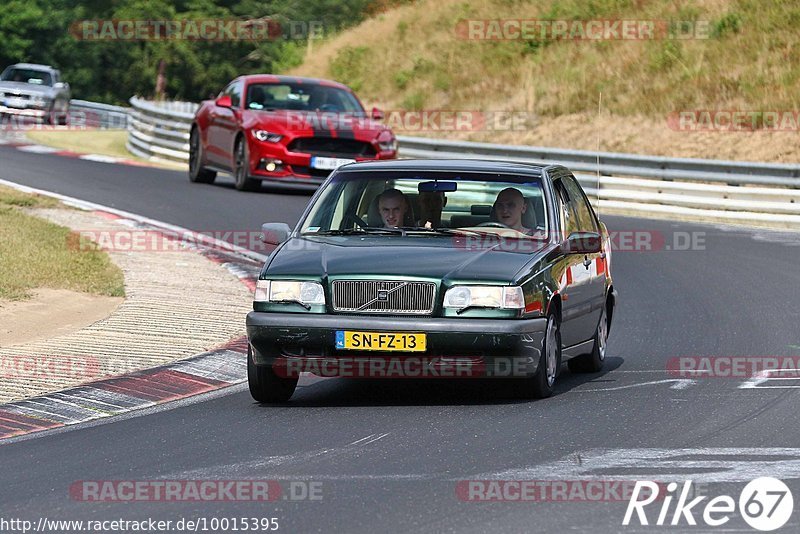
242,161
540,385
197,173
265,385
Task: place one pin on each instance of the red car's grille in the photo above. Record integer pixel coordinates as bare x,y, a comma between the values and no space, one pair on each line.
329,146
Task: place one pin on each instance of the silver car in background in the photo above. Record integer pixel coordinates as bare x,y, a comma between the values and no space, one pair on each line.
34,91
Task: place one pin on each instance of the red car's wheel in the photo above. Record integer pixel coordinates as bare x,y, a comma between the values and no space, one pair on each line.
242,168
197,173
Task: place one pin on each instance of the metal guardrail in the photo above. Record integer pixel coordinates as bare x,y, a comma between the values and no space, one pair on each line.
96,115
703,189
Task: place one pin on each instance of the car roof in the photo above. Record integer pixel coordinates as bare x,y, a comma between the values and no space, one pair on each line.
275,78
32,66
456,165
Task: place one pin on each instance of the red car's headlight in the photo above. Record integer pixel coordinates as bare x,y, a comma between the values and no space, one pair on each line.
387,142
268,137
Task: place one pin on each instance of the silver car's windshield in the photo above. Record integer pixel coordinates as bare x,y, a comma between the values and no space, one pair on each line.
32,76
434,203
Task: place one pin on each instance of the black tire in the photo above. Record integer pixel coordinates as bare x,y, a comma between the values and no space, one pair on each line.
593,362
265,385
242,168
540,385
197,173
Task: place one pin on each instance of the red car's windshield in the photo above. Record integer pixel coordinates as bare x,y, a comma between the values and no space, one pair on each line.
300,97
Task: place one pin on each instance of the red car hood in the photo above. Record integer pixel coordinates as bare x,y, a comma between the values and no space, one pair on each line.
304,123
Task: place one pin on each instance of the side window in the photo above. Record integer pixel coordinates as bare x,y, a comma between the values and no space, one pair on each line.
566,208
234,90
584,219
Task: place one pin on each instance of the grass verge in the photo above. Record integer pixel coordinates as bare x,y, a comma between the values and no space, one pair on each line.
103,142
36,253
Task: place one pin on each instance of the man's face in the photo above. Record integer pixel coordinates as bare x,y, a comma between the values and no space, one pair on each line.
509,209
393,210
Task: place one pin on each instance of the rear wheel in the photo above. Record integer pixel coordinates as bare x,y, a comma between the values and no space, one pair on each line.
265,385
593,362
198,173
242,158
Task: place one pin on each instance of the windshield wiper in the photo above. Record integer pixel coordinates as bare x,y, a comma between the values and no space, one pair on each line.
356,231
440,230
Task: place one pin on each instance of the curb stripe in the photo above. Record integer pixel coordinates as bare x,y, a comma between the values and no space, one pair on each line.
205,372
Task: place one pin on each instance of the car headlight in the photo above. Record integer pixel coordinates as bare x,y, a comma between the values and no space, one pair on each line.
268,137
288,291
39,101
387,142
504,297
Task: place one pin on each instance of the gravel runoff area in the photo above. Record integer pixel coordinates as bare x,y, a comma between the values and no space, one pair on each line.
177,304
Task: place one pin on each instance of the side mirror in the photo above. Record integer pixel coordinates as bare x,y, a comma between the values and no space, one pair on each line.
275,233
582,243
224,101
59,85
377,114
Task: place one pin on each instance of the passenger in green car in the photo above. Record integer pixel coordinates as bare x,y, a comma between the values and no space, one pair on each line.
393,206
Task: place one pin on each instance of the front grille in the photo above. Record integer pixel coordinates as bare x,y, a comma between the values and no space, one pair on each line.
332,146
383,296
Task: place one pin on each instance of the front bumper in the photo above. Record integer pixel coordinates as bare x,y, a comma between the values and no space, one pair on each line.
296,167
494,347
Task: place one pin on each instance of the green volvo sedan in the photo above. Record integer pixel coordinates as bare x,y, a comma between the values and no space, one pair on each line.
435,268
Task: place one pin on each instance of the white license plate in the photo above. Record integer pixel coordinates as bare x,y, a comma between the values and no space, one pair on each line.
329,164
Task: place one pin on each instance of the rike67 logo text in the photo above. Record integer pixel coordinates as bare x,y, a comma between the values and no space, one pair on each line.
765,504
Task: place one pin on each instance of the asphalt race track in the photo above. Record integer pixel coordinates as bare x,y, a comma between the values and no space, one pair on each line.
392,455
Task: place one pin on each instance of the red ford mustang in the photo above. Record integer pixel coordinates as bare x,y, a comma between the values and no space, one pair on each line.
284,129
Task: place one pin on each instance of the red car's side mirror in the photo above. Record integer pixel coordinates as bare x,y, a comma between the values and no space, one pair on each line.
377,114
224,101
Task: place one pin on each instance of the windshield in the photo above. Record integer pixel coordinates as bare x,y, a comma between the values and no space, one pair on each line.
36,77
430,203
301,97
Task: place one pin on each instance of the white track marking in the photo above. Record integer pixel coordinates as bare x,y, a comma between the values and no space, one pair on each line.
677,383
39,149
699,465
